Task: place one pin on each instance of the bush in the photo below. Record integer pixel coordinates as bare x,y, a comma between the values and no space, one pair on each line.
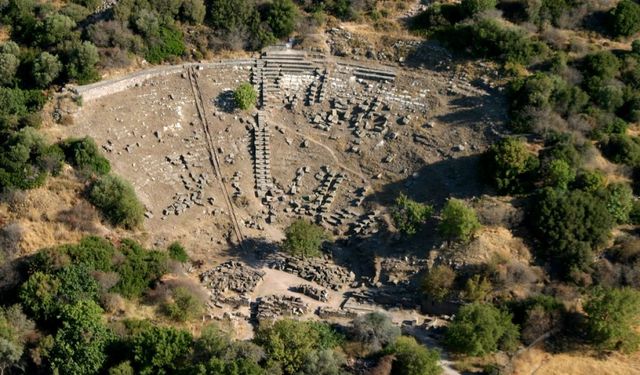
458,221
160,350
8,68
26,159
622,149
480,329
324,362
139,269
487,38
15,329
620,201
80,344
117,200
289,343
184,305
304,239
169,43
83,153
510,164
557,173
613,318
413,358
46,68
438,282
409,215
625,18
570,225
80,61
245,96
178,253
374,330
16,106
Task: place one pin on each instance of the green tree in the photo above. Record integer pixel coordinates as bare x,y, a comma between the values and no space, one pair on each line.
117,200
245,96
480,329
620,201
570,225
46,68
289,343
374,330
625,18
123,368
438,282
304,239
558,173
323,362
138,269
8,68
80,342
509,164
80,62
458,221
409,215
160,350
613,316
473,7
54,29
414,359
39,295
281,17
622,149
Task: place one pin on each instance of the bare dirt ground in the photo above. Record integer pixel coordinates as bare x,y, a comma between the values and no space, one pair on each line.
153,137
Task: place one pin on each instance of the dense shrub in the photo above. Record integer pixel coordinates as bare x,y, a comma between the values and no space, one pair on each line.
304,239
184,305
245,96
178,253
625,18
480,329
117,200
169,43
509,165
409,215
15,329
458,222
281,17
374,331
620,201
18,106
289,343
487,38
412,358
26,159
138,269
46,68
160,350
438,282
613,318
622,149
570,226
83,154
80,343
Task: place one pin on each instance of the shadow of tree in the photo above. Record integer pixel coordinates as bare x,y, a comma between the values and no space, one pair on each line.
225,101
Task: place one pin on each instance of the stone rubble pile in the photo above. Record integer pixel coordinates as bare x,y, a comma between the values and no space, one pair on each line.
271,307
231,276
320,271
312,292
